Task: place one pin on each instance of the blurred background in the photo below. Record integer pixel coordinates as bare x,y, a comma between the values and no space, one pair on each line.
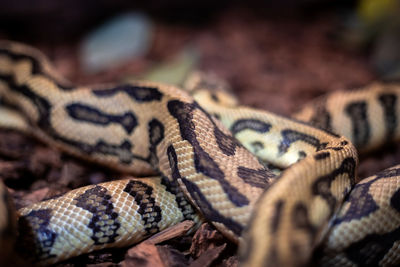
288,51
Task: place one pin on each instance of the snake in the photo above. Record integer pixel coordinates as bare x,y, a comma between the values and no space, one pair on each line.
285,189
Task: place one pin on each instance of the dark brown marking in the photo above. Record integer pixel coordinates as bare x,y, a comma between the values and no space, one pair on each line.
204,163
214,97
258,178
205,207
123,151
36,239
321,118
395,201
103,223
36,67
226,143
301,220
277,216
136,92
302,155
292,136
252,124
370,250
86,113
322,185
257,146
388,102
149,211
357,111
186,208
322,155
362,202
156,135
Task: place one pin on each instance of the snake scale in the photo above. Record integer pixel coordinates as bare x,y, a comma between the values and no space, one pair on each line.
212,160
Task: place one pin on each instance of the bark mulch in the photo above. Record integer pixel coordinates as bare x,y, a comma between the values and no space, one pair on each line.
274,64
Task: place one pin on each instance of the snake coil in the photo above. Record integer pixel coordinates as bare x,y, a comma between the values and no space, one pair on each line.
199,146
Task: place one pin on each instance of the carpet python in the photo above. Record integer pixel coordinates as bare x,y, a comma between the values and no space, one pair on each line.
214,160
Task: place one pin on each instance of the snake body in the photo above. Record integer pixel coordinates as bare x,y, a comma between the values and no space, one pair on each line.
146,128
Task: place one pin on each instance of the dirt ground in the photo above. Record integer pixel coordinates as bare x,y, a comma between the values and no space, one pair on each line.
273,64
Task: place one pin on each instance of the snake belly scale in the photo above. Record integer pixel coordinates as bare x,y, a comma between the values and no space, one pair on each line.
146,128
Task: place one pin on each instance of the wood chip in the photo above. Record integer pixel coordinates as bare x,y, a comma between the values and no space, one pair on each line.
208,257
172,257
70,173
42,158
147,254
205,238
144,254
104,264
232,261
14,145
11,169
171,232
36,196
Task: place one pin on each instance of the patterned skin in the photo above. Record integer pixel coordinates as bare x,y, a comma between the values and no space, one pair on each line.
147,128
